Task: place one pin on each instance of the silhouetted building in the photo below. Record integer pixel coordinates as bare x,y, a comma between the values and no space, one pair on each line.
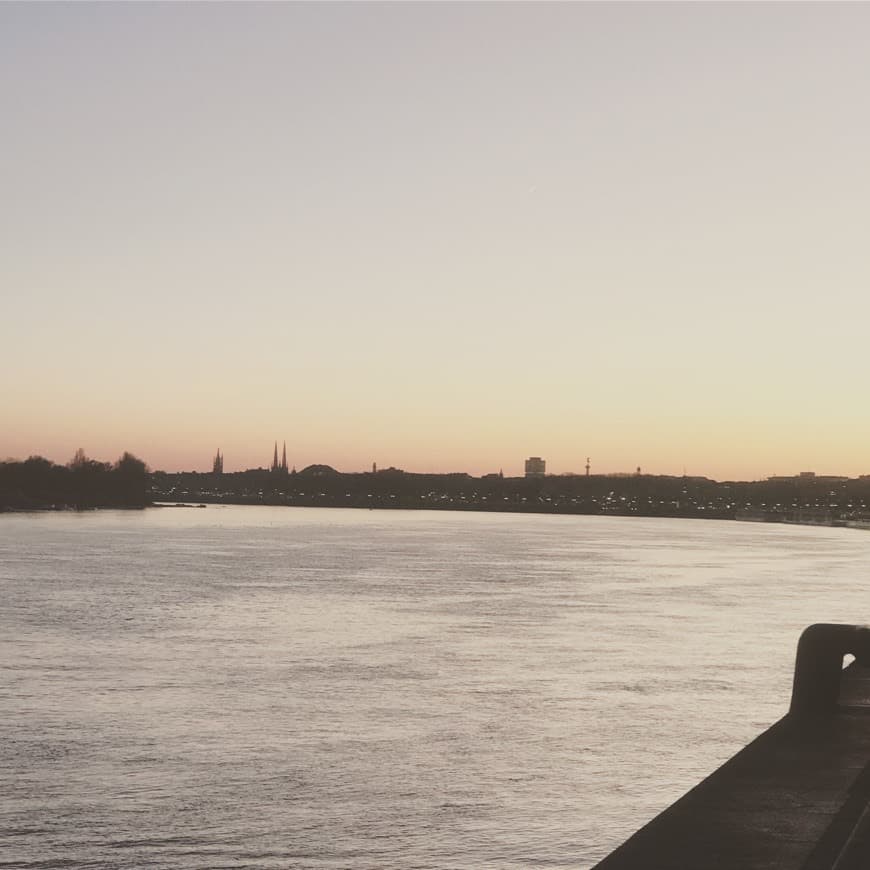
279,467
536,467
217,466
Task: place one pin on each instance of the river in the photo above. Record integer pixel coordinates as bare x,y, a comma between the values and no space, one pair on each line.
312,688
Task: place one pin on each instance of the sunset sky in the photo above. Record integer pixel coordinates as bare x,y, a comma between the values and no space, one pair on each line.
440,236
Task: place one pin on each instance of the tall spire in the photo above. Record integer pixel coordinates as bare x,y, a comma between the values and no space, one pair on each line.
275,458
284,458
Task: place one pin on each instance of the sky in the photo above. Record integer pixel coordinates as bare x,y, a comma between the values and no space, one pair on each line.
437,236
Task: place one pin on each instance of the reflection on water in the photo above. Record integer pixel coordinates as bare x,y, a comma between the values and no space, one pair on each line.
302,688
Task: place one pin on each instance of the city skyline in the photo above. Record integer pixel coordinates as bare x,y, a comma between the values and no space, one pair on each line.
531,467
444,237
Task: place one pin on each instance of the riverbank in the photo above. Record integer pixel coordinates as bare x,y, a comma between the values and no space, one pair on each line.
811,501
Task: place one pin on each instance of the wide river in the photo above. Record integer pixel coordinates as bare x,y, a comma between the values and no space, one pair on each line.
311,688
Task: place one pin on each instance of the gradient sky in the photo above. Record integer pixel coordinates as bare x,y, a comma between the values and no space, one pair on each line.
438,236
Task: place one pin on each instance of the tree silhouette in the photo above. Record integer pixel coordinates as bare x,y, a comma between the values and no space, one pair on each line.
79,460
38,483
131,479
131,465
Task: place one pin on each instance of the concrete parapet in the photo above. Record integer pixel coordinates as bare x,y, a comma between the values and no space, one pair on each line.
797,797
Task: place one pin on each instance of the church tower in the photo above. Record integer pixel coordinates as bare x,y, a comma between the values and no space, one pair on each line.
275,459
217,466
284,459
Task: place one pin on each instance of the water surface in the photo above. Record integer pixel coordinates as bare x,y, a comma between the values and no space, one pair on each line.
314,688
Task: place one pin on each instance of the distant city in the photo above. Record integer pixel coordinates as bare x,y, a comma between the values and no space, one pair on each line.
806,498
534,466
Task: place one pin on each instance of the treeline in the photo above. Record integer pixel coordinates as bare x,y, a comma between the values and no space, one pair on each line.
39,484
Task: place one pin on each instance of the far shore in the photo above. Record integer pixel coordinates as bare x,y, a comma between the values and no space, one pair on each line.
818,520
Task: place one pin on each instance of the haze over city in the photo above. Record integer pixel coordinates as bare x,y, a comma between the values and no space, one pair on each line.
443,237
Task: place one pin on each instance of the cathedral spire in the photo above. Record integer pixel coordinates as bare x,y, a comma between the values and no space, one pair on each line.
284,458
275,458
